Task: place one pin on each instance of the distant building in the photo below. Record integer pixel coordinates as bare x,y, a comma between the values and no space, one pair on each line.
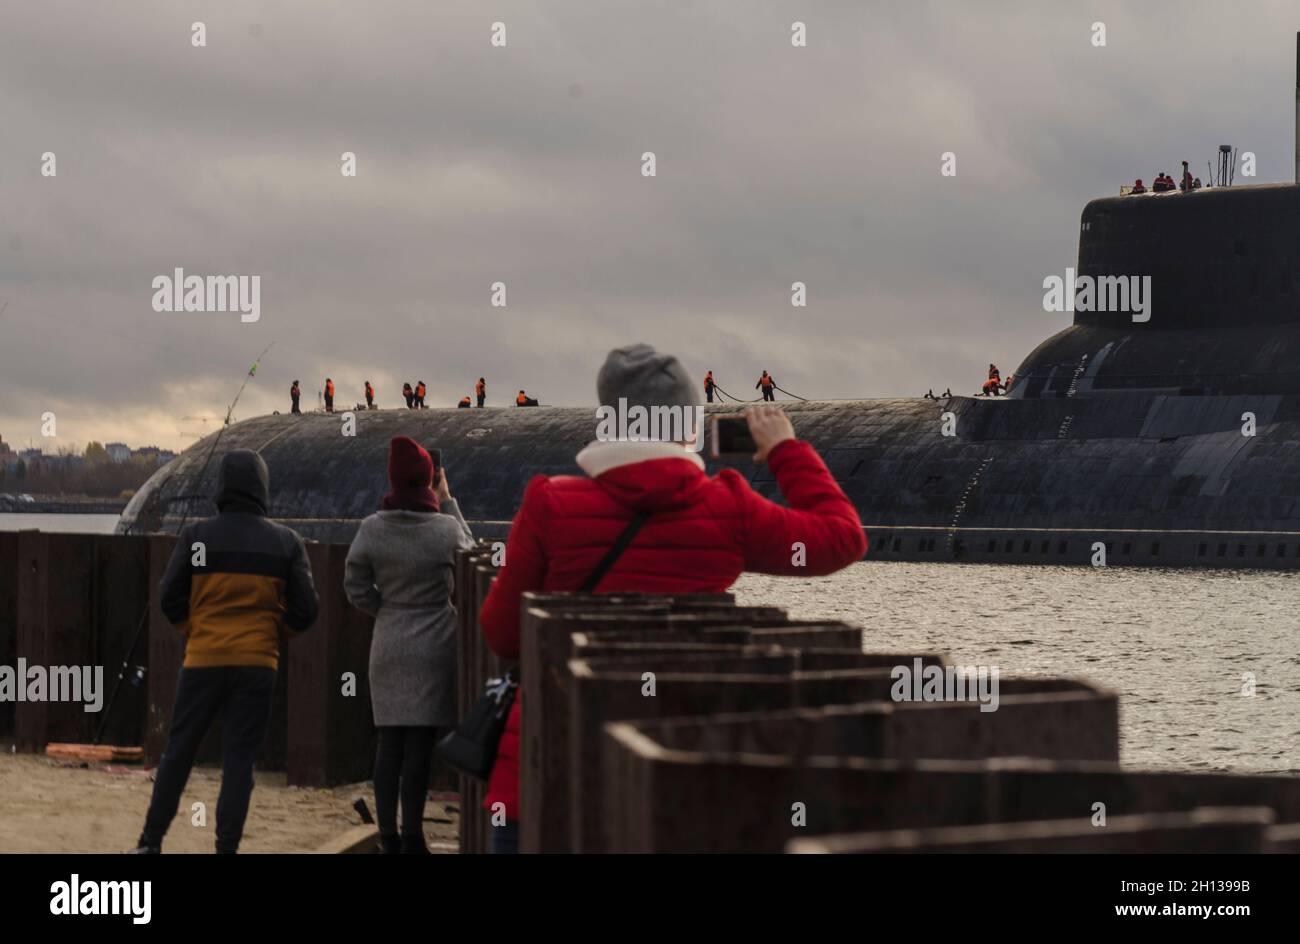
154,454
118,452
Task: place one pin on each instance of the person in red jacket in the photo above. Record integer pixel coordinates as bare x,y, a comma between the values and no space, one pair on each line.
702,533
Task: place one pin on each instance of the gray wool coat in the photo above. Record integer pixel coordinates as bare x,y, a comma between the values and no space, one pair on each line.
399,570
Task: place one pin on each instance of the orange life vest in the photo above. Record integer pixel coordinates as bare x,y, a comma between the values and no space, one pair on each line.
479,388
521,399
329,389
419,390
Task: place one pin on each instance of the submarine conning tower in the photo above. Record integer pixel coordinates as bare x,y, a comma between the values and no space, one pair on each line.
1223,314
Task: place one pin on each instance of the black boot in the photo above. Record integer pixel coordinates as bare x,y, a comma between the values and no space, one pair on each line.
389,844
414,845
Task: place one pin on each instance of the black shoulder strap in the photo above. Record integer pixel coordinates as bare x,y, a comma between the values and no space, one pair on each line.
615,552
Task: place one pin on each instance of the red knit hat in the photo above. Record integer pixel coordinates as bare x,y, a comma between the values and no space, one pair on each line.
410,476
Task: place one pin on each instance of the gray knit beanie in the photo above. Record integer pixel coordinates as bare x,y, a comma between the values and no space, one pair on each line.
644,377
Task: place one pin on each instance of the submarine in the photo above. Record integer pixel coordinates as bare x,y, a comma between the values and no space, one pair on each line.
1168,440
1174,441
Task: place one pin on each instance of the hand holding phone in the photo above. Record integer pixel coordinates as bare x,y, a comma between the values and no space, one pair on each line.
730,436
440,487
769,426
757,432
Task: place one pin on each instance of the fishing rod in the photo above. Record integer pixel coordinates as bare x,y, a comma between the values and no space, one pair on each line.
144,617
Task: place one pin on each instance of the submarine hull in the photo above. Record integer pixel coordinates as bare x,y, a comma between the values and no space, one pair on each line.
1158,479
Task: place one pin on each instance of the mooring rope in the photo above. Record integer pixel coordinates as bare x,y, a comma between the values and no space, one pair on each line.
737,399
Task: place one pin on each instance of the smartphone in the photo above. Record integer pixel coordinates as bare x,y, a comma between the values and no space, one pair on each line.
731,437
436,455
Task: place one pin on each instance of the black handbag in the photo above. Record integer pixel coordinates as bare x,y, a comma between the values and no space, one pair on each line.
471,748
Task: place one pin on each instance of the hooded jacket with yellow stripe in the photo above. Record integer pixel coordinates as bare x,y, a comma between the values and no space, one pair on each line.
235,579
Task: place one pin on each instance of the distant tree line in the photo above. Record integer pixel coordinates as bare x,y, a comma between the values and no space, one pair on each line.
69,472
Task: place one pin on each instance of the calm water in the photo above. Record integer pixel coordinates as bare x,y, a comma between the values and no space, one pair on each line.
1173,643
64,524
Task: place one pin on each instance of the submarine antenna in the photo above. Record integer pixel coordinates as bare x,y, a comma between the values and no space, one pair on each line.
1225,152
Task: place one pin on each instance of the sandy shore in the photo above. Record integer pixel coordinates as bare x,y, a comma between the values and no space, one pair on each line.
58,806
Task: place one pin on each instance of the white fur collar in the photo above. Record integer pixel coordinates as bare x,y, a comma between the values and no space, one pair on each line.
597,458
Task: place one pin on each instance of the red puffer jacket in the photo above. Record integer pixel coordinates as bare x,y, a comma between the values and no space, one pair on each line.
702,534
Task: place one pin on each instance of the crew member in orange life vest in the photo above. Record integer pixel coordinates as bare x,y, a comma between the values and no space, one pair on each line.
993,386
409,394
294,394
767,383
370,396
524,400
480,390
708,386
419,395
329,395
464,403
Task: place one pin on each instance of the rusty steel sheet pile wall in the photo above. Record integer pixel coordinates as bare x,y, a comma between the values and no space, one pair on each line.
78,600
1211,830
753,711
72,603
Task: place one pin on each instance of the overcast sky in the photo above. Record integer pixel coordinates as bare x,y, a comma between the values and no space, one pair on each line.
522,164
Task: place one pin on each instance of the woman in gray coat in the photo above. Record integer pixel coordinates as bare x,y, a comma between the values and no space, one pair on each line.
399,570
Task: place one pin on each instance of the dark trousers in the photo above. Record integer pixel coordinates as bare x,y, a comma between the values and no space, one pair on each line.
504,840
410,401
481,398
768,394
295,405
370,402
402,762
329,404
708,392
242,696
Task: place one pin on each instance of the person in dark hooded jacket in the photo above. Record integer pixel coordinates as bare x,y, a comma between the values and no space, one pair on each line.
233,581
701,534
